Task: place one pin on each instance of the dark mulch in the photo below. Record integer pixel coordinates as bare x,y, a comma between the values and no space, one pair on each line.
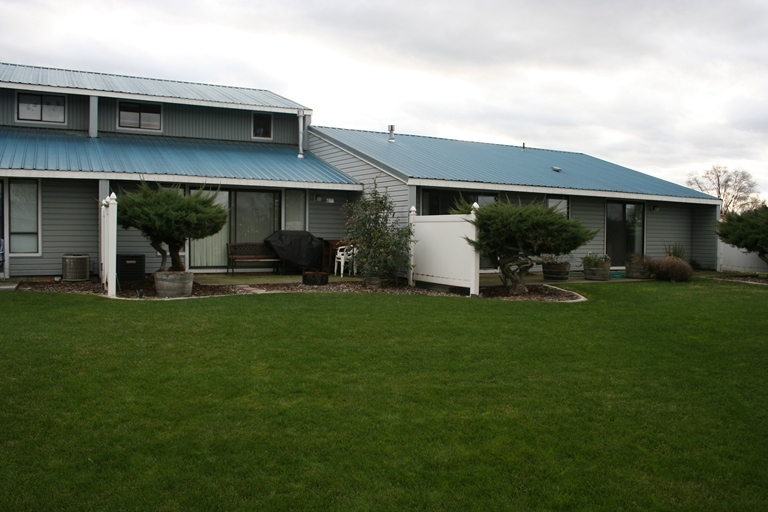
146,289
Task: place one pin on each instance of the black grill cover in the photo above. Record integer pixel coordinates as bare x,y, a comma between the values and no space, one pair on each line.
297,249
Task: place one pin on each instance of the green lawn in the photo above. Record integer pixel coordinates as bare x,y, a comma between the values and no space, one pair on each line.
650,396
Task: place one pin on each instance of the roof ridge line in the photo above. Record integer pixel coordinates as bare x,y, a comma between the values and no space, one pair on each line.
453,140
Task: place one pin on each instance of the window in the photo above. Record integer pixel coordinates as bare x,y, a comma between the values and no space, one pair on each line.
624,233
40,107
142,116
560,204
262,126
295,210
24,217
255,215
441,201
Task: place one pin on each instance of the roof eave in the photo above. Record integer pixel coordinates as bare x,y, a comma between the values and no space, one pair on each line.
147,97
178,178
608,194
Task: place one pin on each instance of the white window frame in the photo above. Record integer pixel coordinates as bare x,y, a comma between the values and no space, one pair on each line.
271,126
36,122
8,247
138,129
557,202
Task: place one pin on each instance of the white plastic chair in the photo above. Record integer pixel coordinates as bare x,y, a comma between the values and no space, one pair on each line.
345,254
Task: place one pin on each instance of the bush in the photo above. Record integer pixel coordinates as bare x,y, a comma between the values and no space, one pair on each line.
382,243
672,268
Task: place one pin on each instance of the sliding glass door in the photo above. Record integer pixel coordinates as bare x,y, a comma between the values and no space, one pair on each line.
625,228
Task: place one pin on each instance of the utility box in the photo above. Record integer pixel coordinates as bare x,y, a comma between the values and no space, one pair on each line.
130,267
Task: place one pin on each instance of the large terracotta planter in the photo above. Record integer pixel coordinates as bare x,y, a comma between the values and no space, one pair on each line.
174,284
556,271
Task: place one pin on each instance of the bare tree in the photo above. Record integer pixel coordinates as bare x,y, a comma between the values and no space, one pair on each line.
737,189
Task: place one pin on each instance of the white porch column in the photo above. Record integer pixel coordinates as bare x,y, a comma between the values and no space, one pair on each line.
109,244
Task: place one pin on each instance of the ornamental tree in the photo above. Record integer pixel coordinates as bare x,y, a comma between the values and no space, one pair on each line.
511,234
748,231
164,215
382,243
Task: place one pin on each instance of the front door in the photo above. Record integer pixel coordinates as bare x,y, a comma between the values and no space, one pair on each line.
624,230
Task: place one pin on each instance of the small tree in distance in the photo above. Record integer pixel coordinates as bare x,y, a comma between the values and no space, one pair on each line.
737,189
167,216
511,234
748,231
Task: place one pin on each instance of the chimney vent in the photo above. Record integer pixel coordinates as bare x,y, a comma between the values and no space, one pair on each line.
391,129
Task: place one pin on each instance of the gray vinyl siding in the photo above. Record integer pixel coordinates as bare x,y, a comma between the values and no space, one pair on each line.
704,246
326,220
591,212
205,123
669,225
363,172
70,225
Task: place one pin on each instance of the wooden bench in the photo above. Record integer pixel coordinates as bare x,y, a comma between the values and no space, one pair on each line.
251,252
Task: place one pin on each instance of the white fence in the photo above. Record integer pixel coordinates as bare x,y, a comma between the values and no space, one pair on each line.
733,259
441,254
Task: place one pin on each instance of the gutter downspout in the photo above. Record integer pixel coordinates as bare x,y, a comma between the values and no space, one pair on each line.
300,113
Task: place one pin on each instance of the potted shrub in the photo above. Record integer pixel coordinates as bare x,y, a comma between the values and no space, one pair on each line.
638,266
168,218
556,267
597,267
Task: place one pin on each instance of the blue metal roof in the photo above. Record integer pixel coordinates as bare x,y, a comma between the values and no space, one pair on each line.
429,158
37,149
102,84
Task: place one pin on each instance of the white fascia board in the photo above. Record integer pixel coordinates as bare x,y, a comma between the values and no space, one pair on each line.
496,187
159,99
174,178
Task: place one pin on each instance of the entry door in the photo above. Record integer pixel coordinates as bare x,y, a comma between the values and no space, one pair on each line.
624,233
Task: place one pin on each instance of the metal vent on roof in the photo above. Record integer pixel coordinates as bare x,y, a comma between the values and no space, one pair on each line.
556,169
391,129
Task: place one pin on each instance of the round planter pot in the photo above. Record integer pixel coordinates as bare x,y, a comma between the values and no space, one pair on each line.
373,282
597,273
174,284
638,271
556,271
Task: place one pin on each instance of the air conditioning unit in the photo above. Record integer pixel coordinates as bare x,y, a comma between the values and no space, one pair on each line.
75,267
130,267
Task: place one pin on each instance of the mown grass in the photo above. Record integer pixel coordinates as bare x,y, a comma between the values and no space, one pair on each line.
650,396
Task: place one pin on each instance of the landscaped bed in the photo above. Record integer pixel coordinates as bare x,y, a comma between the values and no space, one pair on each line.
145,289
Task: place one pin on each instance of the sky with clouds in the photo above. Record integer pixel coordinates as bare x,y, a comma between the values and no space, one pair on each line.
664,87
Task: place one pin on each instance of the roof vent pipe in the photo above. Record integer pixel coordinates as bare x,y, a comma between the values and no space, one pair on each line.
391,129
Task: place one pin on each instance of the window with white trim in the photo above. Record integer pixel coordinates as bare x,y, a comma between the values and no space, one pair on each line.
44,108
24,217
140,116
262,126
560,204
